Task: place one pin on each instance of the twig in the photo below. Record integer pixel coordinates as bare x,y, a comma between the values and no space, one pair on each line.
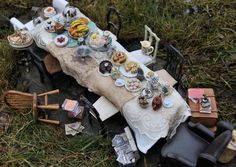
226,82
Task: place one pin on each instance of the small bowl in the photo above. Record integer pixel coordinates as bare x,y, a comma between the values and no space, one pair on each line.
166,90
143,101
83,51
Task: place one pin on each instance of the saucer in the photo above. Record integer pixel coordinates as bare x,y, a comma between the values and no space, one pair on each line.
120,82
168,103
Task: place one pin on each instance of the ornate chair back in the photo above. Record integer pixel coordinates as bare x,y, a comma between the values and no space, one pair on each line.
114,20
175,62
152,37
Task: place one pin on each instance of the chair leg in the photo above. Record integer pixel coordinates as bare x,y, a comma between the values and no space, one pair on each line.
41,74
90,118
41,77
103,130
52,81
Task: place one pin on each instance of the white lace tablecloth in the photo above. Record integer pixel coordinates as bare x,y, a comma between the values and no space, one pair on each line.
148,125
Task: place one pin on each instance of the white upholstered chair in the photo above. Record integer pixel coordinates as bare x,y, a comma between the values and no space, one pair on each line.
147,59
17,24
59,5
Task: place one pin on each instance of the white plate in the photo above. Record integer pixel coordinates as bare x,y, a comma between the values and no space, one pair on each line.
46,25
22,46
61,44
52,14
136,90
120,82
125,73
106,74
168,103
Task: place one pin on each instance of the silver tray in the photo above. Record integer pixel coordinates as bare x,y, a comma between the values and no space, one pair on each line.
104,48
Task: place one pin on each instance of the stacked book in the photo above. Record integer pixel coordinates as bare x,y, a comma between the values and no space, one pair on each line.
197,96
72,106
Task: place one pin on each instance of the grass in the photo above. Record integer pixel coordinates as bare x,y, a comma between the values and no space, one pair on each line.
29,144
6,64
206,39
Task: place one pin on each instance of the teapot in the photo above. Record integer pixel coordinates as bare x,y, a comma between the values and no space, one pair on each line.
156,103
147,91
69,13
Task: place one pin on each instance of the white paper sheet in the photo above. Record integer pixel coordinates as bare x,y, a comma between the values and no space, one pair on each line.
105,108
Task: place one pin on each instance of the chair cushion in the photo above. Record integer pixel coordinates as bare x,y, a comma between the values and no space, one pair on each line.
165,76
185,146
52,64
141,57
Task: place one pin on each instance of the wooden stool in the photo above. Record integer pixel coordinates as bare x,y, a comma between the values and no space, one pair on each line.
207,119
20,100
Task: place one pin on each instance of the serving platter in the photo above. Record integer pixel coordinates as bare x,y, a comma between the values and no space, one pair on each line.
103,45
125,73
133,85
61,40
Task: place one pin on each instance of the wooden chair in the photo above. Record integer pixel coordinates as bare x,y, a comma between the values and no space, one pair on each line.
174,64
19,100
113,20
147,59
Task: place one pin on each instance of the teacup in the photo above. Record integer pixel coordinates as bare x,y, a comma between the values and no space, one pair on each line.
106,34
146,47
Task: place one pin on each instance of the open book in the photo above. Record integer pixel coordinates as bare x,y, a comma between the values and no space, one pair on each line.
205,109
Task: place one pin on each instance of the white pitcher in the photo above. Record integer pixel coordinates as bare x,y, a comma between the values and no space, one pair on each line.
146,47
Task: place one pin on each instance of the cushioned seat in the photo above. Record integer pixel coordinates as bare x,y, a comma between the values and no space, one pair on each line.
52,64
152,38
194,145
145,59
165,76
183,147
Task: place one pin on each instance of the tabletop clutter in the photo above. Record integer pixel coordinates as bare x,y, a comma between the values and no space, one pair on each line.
126,73
153,108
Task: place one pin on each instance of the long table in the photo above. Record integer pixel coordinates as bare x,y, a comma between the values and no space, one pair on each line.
148,125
